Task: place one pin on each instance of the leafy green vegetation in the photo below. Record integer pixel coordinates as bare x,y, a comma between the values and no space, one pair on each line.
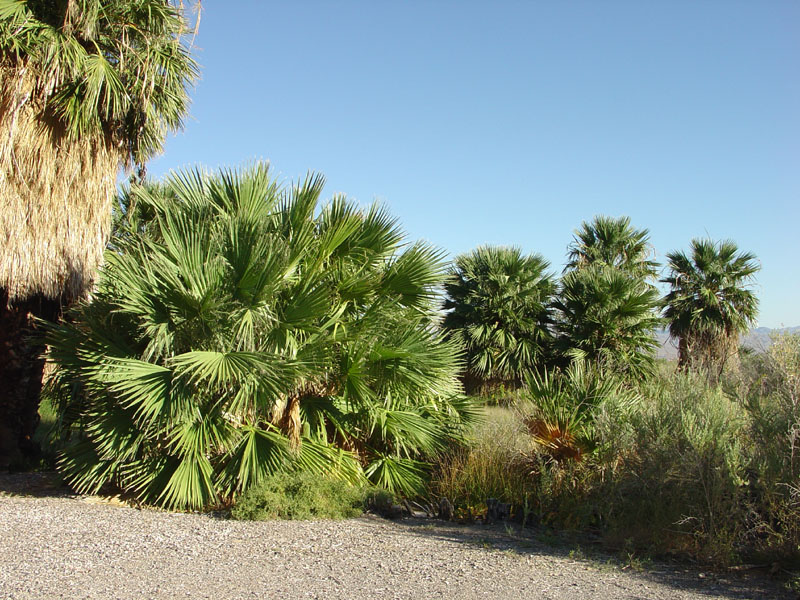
87,87
710,303
237,331
498,308
247,346
299,496
613,243
608,317
673,464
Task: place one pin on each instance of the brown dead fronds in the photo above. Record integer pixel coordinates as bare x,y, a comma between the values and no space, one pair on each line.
55,197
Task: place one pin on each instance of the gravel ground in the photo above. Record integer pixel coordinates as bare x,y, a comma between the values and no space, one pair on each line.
54,545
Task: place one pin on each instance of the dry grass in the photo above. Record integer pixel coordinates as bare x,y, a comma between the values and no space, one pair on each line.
55,197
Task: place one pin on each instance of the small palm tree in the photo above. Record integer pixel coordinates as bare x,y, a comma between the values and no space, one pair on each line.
607,316
237,331
612,242
559,408
710,304
497,300
86,86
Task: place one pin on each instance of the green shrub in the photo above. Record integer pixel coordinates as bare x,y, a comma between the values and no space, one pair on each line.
299,496
769,385
489,465
674,468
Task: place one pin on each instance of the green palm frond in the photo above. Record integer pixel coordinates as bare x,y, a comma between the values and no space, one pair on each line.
710,302
104,67
237,332
498,309
324,459
614,243
400,475
607,315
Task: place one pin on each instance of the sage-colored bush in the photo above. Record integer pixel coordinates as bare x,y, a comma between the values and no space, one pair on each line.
299,496
669,466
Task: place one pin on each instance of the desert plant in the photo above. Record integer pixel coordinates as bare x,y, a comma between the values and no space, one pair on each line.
86,86
710,304
608,316
559,408
237,331
299,496
675,469
614,243
771,397
497,303
490,464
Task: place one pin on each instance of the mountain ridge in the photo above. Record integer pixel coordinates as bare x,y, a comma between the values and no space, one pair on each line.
758,339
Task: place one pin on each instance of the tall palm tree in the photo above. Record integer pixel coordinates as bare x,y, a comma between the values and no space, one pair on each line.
608,317
237,330
497,300
710,303
86,86
612,242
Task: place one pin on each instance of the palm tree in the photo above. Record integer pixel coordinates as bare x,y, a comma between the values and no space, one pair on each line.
608,317
237,331
86,86
497,300
709,304
612,242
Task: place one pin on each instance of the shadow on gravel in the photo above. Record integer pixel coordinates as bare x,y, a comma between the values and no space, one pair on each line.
38,485
530,542
502,538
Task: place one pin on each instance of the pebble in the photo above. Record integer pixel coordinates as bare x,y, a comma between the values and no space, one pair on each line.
63,547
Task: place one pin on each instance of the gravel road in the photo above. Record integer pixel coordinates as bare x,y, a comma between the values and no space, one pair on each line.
54,545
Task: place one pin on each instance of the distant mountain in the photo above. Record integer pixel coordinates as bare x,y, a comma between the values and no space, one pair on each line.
758,339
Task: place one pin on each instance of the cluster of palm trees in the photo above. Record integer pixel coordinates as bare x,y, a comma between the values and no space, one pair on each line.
512,316
239,327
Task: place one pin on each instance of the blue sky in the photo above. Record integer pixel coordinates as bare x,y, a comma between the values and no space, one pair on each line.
512,122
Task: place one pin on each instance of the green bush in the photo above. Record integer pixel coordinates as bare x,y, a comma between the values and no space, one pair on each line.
769,386
674,468
299,496
671,465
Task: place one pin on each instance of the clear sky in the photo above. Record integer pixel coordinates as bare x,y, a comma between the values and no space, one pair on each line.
512,122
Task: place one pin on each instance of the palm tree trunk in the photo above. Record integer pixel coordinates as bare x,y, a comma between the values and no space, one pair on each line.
683,352
21,368
290,421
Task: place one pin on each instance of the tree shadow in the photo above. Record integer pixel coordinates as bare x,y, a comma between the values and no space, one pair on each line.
46,484
511,538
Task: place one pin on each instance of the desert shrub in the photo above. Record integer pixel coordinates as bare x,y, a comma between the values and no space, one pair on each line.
488,465
670,465
299,496
770,390
674,469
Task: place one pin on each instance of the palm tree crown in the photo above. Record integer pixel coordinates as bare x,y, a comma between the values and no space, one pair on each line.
85,86
710,304
498,299
612,242
607,316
